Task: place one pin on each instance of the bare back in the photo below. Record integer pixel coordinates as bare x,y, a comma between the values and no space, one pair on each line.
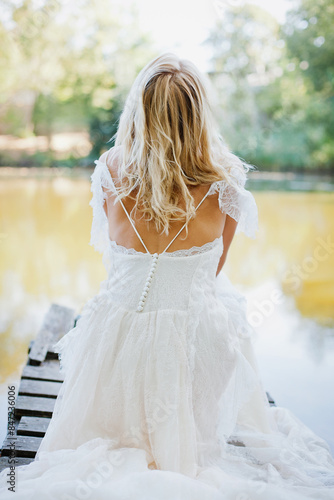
207,225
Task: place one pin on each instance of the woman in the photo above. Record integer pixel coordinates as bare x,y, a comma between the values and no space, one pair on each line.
162,397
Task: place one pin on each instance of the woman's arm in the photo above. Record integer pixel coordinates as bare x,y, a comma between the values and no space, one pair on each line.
228,233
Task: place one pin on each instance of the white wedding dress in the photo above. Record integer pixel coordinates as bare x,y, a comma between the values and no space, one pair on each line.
162,398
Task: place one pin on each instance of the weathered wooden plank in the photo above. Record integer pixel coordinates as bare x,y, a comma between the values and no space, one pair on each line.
33,426
48,371
31,343
34,406
18,461
58,321
39,388
236,443
51,355
25,446
76,319
270,400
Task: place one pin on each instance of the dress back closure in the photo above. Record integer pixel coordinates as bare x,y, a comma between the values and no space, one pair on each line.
155,256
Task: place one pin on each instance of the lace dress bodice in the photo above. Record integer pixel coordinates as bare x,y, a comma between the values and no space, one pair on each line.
178,276
146,282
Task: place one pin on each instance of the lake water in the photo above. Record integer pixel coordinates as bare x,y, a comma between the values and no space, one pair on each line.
287,275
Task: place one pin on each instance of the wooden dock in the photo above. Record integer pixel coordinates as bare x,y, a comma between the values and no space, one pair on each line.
39,387
38,390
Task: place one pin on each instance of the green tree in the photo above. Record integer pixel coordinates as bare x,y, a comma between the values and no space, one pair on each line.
245,55
80,56
275,85
310,42
310,45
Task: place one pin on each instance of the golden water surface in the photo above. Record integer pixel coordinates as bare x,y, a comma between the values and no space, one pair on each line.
45,255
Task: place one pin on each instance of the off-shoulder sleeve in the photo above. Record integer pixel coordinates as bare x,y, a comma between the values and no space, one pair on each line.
99,230
238,203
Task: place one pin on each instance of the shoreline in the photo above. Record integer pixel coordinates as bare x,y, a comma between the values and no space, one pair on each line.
257,181
55,171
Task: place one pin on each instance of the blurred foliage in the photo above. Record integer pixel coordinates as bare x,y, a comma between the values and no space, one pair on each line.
103,126
68,67
275,85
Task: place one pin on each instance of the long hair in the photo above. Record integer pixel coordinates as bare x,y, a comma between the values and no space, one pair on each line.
167,140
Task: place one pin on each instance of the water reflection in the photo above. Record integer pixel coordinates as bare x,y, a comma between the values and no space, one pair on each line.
293,227
45,257
46,223
296,360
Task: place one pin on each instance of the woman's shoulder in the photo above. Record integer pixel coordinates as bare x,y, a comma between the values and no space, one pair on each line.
110,161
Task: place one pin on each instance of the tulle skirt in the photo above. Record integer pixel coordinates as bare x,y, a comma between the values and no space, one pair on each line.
168,405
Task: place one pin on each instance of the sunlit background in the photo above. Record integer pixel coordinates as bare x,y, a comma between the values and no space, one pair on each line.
65,71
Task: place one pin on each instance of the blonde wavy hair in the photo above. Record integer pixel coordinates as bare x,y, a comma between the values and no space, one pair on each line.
169,141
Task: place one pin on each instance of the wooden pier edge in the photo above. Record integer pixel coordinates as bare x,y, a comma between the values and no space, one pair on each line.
39,386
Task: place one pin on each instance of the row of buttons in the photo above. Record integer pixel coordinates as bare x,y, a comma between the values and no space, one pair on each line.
147,285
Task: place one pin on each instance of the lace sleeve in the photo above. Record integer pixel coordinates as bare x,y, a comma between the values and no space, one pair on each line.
238,203
99,231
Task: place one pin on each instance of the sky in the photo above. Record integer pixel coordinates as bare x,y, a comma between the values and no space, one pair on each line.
181,25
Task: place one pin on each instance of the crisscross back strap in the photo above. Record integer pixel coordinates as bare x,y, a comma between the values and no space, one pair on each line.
134,227
184,225
133,224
